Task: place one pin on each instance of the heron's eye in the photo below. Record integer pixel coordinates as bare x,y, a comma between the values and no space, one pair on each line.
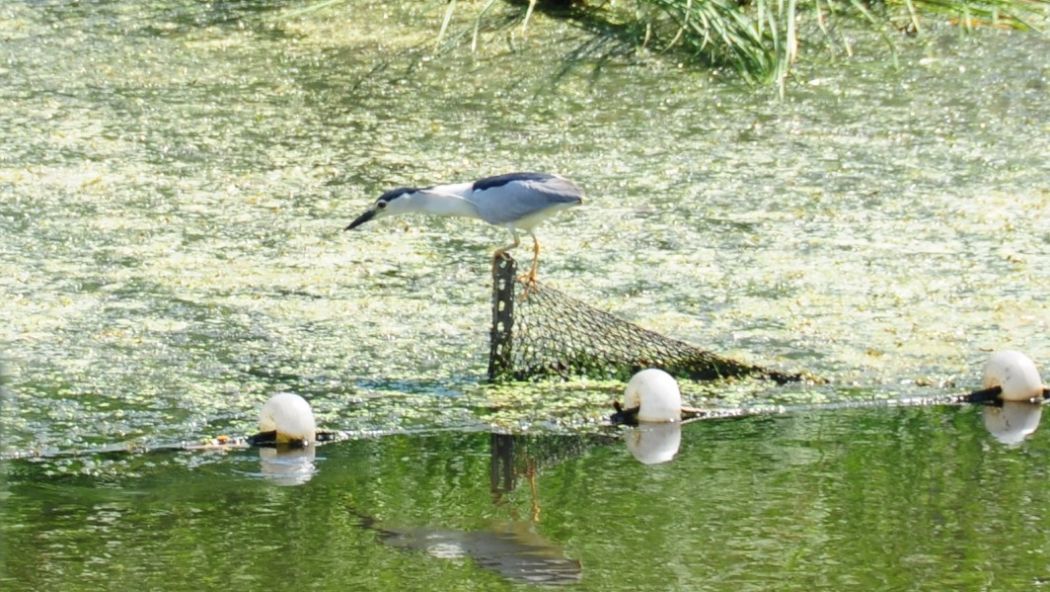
381,205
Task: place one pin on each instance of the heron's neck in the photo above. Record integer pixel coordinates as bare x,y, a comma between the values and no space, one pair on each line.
446,200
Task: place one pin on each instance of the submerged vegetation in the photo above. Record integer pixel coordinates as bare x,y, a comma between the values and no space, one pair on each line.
757,39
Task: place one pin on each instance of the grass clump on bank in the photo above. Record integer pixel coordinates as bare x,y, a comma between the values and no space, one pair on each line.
760,39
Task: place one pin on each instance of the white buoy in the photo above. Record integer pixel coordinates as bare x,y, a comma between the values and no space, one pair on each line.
656,395
288,466
652,444
1013,421
1015,374
290,416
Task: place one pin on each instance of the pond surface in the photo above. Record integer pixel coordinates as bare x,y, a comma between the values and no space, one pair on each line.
174,180
861,499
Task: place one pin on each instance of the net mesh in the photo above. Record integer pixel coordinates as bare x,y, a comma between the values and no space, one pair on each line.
539,331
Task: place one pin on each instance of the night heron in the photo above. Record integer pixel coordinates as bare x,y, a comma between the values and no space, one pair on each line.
515,201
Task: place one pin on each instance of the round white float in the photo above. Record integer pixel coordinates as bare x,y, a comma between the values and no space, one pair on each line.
652,444
1013,422
656,395
290,416
1015,373
288,466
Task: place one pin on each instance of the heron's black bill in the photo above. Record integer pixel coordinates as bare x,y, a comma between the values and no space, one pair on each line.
361,219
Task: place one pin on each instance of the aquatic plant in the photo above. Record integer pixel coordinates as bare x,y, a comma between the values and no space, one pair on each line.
761,39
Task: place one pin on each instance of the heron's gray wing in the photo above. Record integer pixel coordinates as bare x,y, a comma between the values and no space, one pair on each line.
523,198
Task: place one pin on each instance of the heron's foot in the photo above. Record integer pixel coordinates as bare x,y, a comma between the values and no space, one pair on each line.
529,281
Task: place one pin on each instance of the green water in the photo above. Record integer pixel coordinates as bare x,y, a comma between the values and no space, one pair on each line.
174,180
872,499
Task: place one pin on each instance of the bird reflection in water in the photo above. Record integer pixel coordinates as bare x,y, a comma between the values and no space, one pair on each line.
511,548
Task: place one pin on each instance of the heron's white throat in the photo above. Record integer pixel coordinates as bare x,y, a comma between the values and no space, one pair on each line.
442,200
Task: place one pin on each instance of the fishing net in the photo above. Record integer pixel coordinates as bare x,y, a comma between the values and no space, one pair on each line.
539,331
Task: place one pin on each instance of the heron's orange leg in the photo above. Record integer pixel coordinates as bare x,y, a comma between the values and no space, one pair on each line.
535,261
503,250
529,279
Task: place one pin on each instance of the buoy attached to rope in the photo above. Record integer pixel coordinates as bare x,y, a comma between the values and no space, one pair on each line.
652,396
1010,376
286,419
655,393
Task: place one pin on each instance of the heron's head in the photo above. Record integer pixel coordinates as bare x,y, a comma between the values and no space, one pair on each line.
394,201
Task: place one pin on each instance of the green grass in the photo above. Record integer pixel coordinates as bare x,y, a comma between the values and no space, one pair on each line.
757,40
761,39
